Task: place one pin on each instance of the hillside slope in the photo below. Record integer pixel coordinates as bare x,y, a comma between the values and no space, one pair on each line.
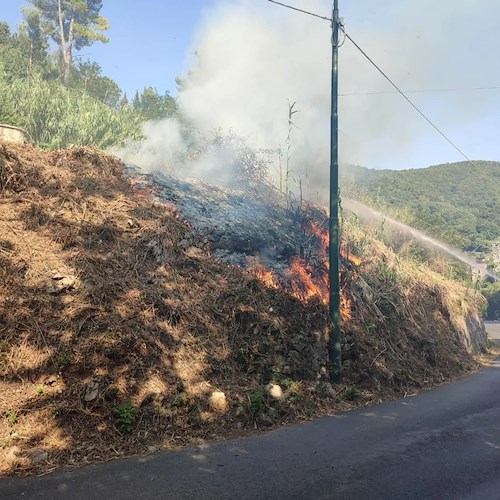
457,202
117,338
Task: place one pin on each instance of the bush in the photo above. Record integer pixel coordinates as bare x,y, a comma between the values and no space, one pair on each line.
56,117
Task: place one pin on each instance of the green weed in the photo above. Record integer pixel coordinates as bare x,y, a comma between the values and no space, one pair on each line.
12,417
125,417
352,393
257,400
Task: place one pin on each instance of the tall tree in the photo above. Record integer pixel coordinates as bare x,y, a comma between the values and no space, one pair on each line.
72,24
88,77
33,39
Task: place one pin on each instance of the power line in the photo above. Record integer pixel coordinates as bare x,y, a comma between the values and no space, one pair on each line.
300,10
414,106
399,91
423,91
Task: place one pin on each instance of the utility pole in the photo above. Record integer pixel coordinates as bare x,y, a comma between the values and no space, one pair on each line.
334,350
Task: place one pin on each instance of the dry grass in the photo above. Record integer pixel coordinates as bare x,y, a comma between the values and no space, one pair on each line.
101,313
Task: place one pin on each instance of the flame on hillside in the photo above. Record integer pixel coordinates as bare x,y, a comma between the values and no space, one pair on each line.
307,278
265,275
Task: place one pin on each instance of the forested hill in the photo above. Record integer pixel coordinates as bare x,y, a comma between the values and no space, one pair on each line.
455,202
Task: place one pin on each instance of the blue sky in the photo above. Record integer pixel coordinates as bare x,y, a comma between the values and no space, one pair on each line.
149,40
421,44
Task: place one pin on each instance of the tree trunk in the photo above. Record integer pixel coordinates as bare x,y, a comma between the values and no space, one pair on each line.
65,46
69,53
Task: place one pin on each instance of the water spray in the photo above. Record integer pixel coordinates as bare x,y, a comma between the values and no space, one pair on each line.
365,211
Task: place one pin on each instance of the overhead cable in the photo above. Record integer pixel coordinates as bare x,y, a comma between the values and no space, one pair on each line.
412,104
300,10
399,91
422,91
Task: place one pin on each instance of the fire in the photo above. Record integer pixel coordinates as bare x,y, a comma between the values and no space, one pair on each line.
345,307
305,280
315,229
265,275
303,284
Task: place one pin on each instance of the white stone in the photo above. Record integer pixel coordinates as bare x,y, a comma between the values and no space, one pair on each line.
275,391
218,402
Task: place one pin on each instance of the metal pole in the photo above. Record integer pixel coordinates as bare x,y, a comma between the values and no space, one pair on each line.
334,349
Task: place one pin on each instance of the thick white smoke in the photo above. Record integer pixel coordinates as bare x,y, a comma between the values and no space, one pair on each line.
250,58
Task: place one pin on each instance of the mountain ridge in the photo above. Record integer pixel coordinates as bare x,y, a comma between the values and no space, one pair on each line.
456,202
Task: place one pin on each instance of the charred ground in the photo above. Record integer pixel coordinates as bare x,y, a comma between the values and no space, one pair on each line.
117,337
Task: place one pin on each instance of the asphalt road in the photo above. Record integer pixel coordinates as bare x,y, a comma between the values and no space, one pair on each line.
493,329
441,444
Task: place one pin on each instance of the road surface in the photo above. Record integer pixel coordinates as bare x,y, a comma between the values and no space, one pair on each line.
441,444
493,329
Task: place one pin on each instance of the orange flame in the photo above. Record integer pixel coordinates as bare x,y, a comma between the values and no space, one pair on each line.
314,229
303,284
304,280
345,307
265,275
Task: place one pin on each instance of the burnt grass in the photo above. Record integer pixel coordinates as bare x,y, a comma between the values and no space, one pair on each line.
115,339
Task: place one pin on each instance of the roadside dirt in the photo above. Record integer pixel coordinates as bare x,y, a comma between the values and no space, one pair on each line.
115,340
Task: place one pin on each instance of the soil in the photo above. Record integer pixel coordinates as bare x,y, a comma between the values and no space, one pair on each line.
116,339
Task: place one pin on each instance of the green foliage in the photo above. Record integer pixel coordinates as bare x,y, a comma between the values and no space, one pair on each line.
387,272
352,393
79,17
491,290
34,41
257,399
56,116
180,400
8,114
294,389
71,24
25,53
12,417
86,108
125,417
153,106
63,359
87,77
458,202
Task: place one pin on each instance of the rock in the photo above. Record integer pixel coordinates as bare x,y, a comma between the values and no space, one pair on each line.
13,453
59,283
266,419
156,250
218,402
38,456
325,389
194,252
92,392
275,391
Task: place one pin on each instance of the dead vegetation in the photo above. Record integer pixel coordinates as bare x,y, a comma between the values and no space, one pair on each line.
116,340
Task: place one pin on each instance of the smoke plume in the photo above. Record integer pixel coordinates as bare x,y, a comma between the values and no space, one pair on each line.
251,58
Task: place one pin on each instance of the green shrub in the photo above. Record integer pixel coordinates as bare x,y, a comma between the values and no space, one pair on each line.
125,417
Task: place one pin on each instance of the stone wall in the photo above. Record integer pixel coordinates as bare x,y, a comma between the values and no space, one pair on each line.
474,336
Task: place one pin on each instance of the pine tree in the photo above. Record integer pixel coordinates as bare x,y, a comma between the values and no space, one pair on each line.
72,24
